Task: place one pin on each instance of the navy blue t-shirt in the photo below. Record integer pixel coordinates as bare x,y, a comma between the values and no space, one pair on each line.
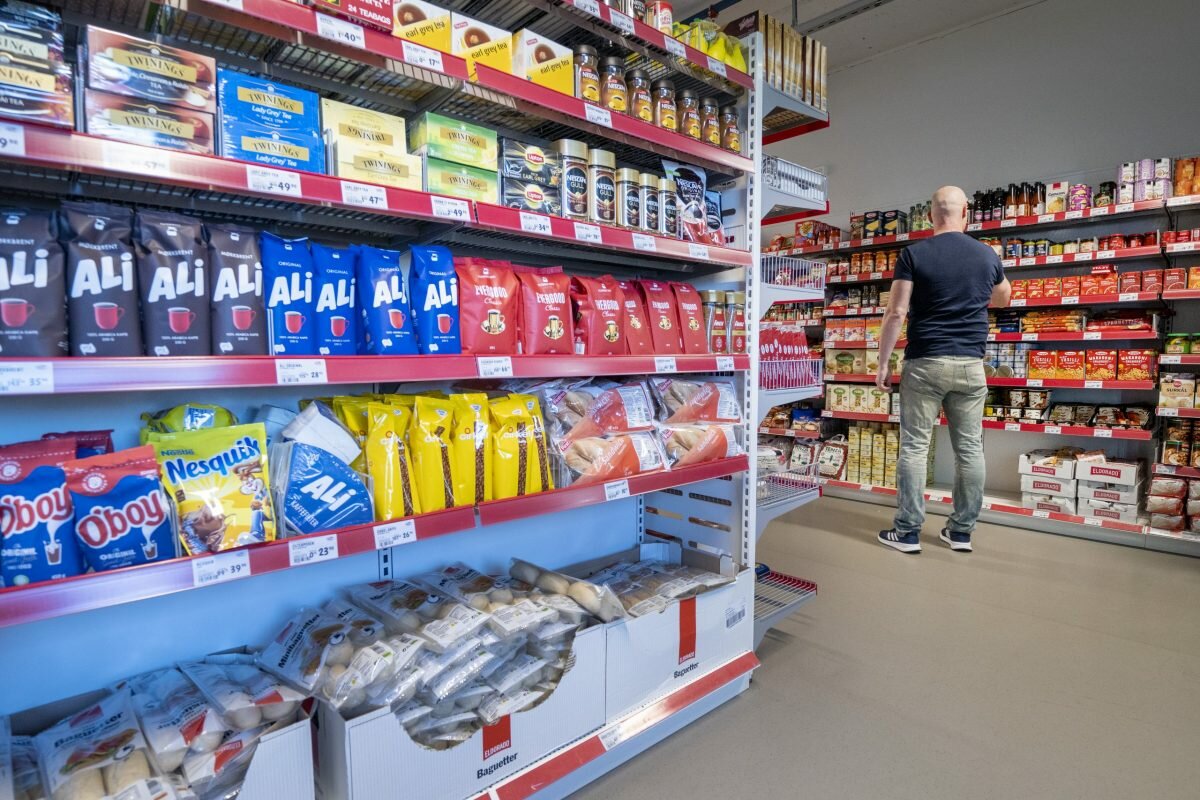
952,277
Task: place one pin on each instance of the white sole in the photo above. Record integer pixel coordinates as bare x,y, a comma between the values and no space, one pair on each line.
962,547
901,546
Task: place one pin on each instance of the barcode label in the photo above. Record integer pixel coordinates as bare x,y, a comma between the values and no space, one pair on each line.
300,371
365,195
220,568
597,115
451,208
734,615
339,30
494,366
535,223
312,551
587,233
273,181
616,490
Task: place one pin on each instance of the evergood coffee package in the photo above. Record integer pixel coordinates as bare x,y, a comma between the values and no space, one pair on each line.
37,542
547,324
239,324
173,282
33,289
122,516
387,326
691,318
664,319
291,306
488,306
337,329
635,321
434,292
102,288
599,308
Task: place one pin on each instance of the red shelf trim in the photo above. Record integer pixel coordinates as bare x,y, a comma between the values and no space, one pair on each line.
853,311
1171,359
1179,248
790,432
1100,256
1085,300
1032,383
862,277
1185,413
1023,427
779,219
1075,336
1182,472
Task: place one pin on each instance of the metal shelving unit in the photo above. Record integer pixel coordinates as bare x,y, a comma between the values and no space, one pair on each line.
777,597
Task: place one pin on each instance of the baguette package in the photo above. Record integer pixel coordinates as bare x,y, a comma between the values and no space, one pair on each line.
599,601
597,459
695,443
594,408
697,401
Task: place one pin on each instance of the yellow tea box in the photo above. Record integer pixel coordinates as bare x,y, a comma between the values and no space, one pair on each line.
423,23
459,180
351,128
480,43
400,170
449,139
544,62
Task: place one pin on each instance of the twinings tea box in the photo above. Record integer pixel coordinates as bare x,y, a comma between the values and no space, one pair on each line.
449,139
459,180
258,100
349,129
423,23
35,82
114,62
129,119
480,43
275,148
400,170
529,196
545,62
530,162
376,13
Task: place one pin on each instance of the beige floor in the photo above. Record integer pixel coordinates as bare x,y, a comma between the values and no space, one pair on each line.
1037,668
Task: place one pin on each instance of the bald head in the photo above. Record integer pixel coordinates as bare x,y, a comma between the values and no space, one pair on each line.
950,209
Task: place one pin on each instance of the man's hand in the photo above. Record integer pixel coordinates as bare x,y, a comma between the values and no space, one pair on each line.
883,380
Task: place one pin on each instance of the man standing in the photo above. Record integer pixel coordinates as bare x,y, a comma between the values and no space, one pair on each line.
944,286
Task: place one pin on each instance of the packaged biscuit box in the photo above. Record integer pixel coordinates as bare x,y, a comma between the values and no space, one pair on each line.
530,163
400,170
137,121
218,479
459,180
422,23
453,140
114,62
275,148
353,127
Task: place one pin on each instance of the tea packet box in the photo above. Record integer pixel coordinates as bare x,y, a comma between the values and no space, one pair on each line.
399,170
368,146
480,43
375,13
126,65
137,121
36,85
422,23
453,140
530,163
261,101
459,180
543,61
273,148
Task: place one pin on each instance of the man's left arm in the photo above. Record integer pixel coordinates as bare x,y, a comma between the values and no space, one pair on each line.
893,320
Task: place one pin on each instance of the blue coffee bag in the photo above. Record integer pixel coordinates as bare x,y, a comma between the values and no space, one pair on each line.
434,293
386,310
291,304
337,327
323,492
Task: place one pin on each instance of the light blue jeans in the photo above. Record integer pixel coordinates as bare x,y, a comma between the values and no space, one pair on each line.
956,385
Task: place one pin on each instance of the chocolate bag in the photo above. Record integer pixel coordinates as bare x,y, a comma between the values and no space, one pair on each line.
599,308
470,451
429,437
87,443
239,321
122,517
691,318
434,293
389,462
172,280
33,288
337,333
488,306
36,538
102,286
387,327
520,453
635,321
291,305
547,324
664,319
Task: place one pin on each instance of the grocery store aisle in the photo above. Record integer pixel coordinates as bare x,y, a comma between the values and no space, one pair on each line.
1039,667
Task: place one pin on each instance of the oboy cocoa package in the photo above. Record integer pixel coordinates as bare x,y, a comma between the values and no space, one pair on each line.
239,321
434,293
173,281
664,320
33,313
102,280
37,540
387,326
337,331
636,322
489,306
690,307
291,304
547,324
599,316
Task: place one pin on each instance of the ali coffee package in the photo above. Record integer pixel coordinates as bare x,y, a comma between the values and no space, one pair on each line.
239,326
337,333
37,542
33,314
489,307
102,287
547,326
173,281
386,309
318,491
291,307
435,300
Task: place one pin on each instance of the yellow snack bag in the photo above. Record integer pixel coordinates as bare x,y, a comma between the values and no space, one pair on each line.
470,450
393,484
186,417
429,439
521,462
218,477
352,412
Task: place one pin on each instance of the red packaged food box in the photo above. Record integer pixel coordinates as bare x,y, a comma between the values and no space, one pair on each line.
1018,290
1052,287
1152,280
856,330
1070,365
1131,282
1101,365
1108,283
1089,285
1070,286
1137,365
1174,278
1042,364
1193,278
376,13
1036,288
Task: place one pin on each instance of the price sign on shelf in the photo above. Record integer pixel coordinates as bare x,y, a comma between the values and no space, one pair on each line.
273,181
725,364
1099,211
876,276
140,160
312,551
644,243
1011,222
394,534
616,490
1168,412
590,6
1073,215
597,115
1104,255
611,737
698,250
866,241
1170,360
12,140
975,226
717,67
665,364
419,56
300,371
588,233
901,237
1066,301
1041,513
1029,337
1091,336
1083,256
1035,382
1093,384
675,47
236,5
1124,208
339,30
1102,433
1054,429
1127,297
1183,247
451,208
1043,218
536,223
1027,262
222,567
1093,521
620,21
1054,259
26,377
494,366
1012,426
365,195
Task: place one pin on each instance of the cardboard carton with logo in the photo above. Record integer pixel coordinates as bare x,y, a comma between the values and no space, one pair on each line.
459,180
422,23
1040,484
129,119
448,139
480,43
1124,473
1046,464
114,62
1110,492
543,61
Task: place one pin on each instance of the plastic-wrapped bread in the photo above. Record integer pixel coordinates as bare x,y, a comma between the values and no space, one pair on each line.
77,752
175,716
596,600
119,775
307,646
245,694
697,401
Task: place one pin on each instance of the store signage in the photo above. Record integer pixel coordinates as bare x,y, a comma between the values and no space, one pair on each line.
312,550
717,67
273,181
588,233
394,534
420,56
645,243
725,364
590,6
536,223
620,21
665,364
675,47
698,250
494,366
26,377
450,208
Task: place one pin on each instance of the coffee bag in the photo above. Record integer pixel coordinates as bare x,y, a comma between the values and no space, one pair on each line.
599,305
488,306
547,325
173,282
33,289
434,292
337,331
102,289
239,326
291,305
636,321
691,318
664,319
387,326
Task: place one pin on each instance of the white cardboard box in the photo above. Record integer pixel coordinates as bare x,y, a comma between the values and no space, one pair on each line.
1118,512
1126,474
1039,484
372,757
1065,470
1092,490
1047,502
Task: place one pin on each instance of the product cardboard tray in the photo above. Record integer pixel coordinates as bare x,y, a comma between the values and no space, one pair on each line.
1126,474
1090,490
1037,484
1044,502
1115,512
1065,470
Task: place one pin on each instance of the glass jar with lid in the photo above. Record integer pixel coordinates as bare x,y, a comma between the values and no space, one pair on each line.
710,121
614,95
602,200
668,208
629,199
575,181
587,73
665,114
689,113
731,133
641,104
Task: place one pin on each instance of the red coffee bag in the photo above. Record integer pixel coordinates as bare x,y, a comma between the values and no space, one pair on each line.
636,323
664,319
488,306
547,326
599,305
691,318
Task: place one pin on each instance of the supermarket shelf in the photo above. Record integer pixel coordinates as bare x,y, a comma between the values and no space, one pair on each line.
1181,294
1099,213
1017,383
1184,201
1074,336
786,116
1181,248
1184,413
790,432
1085,300
768,398
1184,543
861,416
790,211
1135,434
776,597
1100,256
862,277
22,604
774,293
781,493
854,311
86,375
861,345
1176,360
833,377
1182,472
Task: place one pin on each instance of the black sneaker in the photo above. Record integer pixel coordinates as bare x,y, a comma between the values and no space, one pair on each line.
957,541
904,542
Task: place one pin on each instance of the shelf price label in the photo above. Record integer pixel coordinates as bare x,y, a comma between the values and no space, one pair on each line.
866,241
675,47
12,140
236,5
590,6
451,208
1102,433
717,67
273,181
901,237
1170,360
312,551
1091,336
536,223
1127,297
1035,382
665,364
131,158
1041,513
1054,429
725,364
1093,384
1083,257
588,233
1027,262
1012,426
1104,255
300,371
26,377
1168,412
975,226
420,56
1073,215
1066,301
394,534
1054,259
220,568
1099,211
620,21
365,195
1043,218
611,737
616,490
1183,247
698,250
494,366
340,31
597,115
645,243
1029,337
1011,222
1124,208
1093,521
826,412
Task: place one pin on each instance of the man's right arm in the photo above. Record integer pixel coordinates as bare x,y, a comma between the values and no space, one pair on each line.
1001,294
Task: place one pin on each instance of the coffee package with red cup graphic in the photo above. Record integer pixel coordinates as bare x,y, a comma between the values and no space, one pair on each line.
599,308
691,318
173,282
239,324
87,443
386,316
637,327
547,324
664,318
337,333
291,300
122,516
33,287
37,539
488,306
102,285
433,284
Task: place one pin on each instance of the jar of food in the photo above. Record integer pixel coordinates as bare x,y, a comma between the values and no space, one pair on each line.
629,198
614,95
651,204
1178,344
587,73
1088,245
1028,249
1070,248
637,9
661,17
1150,239
664,105
575,180
668,205
731,134
1056,249
602,177
1106,194
714,320
1042,247
1135,240
641,104
1012,248
735,314
710,121
689,113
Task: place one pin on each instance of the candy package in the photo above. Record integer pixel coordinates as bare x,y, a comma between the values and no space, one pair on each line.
386,310
389,462
520,450
245,695
36,515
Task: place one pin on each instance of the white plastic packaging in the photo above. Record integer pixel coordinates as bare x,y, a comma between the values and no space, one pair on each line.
245,695
306,648
176,717
596,600
496,706
524,672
